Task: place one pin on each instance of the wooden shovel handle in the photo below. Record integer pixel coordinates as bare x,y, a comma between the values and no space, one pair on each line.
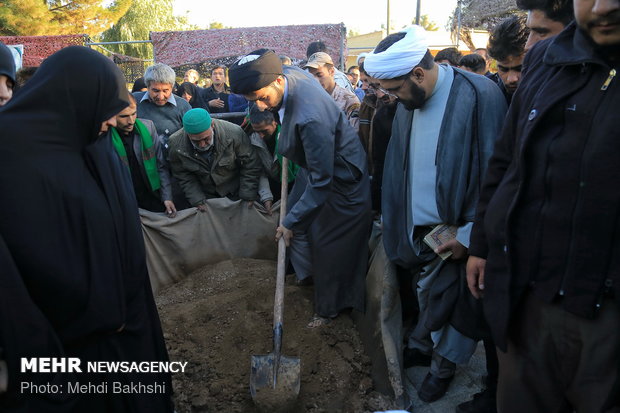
278,306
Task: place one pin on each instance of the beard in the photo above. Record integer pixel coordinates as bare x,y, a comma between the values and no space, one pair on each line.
280,97
418,97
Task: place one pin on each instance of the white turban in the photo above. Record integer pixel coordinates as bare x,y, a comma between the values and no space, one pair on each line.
399,58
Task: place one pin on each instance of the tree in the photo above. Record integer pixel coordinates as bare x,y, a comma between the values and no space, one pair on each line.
427,23
143,17
479,14
217,25
37,17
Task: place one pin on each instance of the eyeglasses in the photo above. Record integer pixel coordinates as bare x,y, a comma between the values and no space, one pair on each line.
394,90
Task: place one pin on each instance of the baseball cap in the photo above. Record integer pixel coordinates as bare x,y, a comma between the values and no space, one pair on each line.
319,59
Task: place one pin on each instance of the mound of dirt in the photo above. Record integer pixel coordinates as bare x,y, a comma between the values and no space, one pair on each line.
221,315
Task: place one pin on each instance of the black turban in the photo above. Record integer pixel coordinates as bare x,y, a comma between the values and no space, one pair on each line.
250,76
7,62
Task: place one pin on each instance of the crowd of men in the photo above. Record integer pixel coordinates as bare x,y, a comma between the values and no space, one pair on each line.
512,171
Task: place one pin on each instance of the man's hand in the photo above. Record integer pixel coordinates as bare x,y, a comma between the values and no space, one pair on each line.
268,204
201,207
458,250
216,103
475,275
171,210
282,231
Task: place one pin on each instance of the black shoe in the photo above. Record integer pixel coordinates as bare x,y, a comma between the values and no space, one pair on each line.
414,357
433,388
483,402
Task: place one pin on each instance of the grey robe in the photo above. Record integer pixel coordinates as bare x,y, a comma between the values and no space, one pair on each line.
330,202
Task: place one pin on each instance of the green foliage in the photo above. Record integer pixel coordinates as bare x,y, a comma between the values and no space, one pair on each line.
143,16
427,23
37,17
218,25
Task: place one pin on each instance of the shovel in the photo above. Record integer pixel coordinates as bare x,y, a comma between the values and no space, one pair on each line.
274,379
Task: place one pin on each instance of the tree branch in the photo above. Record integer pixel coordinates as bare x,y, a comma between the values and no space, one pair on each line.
64,6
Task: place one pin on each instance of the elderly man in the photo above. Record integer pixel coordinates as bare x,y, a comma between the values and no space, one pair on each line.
158,104
165,110
544,249
507,47
442,136
328,221
138,145
321,66
213,158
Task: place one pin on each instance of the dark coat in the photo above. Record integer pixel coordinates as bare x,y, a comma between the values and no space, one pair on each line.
556,70
331,196
380,137
210,93
71,225
235,169
471,124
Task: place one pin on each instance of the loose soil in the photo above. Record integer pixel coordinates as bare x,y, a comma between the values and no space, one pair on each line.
222,314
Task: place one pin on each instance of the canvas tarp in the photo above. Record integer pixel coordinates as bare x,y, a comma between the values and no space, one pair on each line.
176,48
229,229
38,48
380,327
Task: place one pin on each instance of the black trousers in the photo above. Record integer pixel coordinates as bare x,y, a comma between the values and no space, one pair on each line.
554,355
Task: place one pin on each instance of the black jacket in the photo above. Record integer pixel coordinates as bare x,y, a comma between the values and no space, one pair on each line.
529,186
210,93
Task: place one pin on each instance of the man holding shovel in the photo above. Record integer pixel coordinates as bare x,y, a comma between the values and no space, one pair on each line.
328,219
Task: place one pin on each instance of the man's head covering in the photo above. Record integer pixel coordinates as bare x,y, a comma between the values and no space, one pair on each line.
399,58
360,57
254,71
7,62
318,59
196,121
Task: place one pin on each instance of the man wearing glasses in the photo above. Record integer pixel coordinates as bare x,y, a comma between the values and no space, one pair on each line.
213,158
442,137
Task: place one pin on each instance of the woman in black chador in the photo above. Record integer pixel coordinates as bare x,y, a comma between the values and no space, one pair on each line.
70,222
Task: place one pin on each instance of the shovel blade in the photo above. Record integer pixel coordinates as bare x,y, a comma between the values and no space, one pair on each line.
282,396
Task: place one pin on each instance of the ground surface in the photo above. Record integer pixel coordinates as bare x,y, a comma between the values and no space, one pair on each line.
221,315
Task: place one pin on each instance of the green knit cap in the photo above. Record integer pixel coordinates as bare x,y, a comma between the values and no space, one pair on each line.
196,121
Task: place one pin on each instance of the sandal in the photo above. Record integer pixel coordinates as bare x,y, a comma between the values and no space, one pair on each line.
318,321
